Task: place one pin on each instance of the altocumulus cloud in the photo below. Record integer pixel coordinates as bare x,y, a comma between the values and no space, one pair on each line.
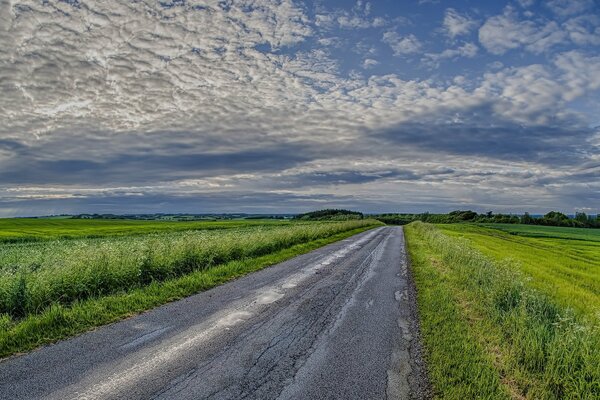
207,106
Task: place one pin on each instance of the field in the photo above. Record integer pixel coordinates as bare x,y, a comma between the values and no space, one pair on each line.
52,288
30,229
563,263
509,311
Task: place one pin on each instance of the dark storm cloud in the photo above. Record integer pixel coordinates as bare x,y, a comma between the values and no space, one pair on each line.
11,145
122,168
343,177
495,138
348,177
249,202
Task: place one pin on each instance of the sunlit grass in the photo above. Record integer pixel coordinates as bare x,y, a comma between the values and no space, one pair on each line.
489,332
62,287
566,269
35,229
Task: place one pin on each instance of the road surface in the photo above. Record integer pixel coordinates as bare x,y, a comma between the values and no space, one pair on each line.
336,323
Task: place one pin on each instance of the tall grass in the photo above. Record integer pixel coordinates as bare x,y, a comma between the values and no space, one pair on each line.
540,350
34,276
62,321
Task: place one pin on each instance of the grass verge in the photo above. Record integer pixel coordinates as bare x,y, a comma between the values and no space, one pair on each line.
488,334
59,321
36,276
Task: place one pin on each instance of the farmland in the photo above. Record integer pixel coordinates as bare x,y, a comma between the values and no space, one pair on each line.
563,263
508,311
52,288
31,229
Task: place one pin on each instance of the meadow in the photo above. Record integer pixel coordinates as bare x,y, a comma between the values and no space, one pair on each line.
53,288
508,311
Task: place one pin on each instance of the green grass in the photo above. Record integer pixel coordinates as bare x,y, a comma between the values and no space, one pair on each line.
592,235
32,229
53,289
488,331
563,263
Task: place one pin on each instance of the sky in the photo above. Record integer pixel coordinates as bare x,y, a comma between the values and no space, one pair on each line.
272,106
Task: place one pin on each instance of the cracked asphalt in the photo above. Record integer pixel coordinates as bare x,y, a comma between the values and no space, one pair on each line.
337,323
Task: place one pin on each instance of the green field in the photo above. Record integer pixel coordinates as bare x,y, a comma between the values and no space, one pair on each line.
53,288
30,229
564,263
509,311
592,235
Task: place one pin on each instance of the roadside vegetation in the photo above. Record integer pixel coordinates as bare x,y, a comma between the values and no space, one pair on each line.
55,288
508,315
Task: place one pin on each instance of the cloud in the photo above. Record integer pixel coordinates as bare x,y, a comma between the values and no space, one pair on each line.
569,7
506,32
356,18
468,50
456,24
500,139
214,105
402,45
583,30
369,63
580,74
526,3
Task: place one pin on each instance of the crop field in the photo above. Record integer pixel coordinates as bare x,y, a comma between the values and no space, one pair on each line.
509,311
563,263
30,229
55,288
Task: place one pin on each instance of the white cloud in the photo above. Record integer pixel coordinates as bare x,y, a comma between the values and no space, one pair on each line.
369,63
569,7
526,3
581,74
468,50
356,18
584,30
456,24
505,32
402,45
332,41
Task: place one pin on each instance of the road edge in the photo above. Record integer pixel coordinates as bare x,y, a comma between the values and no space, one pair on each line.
419,377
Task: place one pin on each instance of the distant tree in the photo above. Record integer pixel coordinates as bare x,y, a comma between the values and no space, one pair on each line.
556,218
467,215
330,214
581,217
526,219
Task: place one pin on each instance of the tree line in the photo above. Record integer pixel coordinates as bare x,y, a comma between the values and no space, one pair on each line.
553,218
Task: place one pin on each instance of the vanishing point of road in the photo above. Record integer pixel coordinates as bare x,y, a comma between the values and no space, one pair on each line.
336,323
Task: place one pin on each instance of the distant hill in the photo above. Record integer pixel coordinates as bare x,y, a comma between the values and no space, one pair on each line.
330,214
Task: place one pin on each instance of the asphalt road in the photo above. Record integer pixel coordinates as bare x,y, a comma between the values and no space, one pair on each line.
336,323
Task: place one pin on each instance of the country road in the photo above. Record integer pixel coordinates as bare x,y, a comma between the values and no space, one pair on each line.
335,323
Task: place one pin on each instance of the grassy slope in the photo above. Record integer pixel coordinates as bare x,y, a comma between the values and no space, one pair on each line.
566,269
489,334
27,229
458,365
58,321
